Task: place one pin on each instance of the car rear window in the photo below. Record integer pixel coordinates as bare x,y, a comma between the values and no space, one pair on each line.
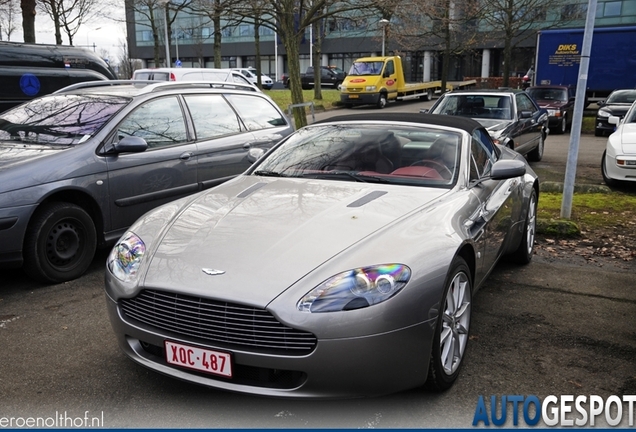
59,119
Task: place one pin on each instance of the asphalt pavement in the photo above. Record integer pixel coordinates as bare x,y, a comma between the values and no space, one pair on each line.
554,327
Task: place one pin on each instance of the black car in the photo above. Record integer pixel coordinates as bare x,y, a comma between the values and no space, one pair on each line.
31,70
512,117
616,104
558,100
77,167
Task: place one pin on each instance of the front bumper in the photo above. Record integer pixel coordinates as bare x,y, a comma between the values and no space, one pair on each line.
357,366
13,225
618,172
359,98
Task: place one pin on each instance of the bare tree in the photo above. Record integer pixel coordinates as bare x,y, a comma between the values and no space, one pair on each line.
222,15
126,64
447,26
155,15
290,20
69,15
8,18
518,20
28,20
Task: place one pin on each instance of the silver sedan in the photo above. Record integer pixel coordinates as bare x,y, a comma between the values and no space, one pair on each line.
342,263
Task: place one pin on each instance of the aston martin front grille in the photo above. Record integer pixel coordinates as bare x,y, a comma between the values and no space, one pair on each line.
228,324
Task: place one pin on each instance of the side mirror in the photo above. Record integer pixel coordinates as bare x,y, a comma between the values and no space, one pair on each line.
254,154
525,114
506,169
600,103
130,144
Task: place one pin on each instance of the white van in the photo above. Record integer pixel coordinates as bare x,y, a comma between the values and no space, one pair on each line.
251,74
190,74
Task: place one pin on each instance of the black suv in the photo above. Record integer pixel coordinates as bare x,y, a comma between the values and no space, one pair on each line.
79,166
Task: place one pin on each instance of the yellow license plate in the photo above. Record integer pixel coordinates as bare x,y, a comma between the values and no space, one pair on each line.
353,96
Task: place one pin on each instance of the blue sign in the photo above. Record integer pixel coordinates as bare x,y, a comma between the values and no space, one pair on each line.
178,63
29,84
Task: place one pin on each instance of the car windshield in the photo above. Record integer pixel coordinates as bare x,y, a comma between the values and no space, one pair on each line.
548,94
475,106
398,154
59,119
366,68
622,97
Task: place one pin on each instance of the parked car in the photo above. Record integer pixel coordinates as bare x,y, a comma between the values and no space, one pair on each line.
252,76
79,166
511,117
558,101
618,163
342,263
616,104
191,74
330,76
31,70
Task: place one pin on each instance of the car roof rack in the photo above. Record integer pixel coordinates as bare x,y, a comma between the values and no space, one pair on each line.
156,86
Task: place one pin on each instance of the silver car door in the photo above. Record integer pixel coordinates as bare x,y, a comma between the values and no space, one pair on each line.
492,220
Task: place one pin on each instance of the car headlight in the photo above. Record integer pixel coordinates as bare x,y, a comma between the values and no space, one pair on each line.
370,88
553,113
343,88
125,258
356,289
603,113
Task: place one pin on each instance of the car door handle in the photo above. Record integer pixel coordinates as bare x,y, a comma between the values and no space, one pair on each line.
185,156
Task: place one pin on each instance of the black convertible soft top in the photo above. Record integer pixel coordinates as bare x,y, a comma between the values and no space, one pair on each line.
464,123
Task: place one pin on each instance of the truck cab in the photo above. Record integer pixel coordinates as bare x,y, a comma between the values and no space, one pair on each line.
378,80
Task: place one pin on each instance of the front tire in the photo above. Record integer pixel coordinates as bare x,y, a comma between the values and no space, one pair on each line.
451,329
382,101
537,154
60,243
523,254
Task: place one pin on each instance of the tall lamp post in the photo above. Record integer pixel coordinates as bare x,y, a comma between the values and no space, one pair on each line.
384,23
87,40
165,3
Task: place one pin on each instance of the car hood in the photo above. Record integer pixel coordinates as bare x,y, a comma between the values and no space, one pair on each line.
266,234
628,138
617,110
19,154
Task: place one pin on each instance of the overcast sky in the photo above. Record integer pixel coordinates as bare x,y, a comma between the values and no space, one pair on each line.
105,33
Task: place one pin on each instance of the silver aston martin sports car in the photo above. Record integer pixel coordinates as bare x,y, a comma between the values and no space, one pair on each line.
342,263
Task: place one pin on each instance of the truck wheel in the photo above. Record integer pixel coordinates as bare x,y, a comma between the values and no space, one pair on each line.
382,101
428,95
60,243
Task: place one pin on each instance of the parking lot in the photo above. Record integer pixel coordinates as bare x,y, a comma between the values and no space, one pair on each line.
555,327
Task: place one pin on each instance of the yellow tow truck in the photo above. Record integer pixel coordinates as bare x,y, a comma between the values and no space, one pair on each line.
378,80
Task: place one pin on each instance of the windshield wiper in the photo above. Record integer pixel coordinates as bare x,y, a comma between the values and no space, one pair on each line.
356,177
268,174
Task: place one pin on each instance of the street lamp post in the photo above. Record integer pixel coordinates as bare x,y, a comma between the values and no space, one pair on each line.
87,40
384,23
165,3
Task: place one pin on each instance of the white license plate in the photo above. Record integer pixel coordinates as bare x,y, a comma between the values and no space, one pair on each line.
204,360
